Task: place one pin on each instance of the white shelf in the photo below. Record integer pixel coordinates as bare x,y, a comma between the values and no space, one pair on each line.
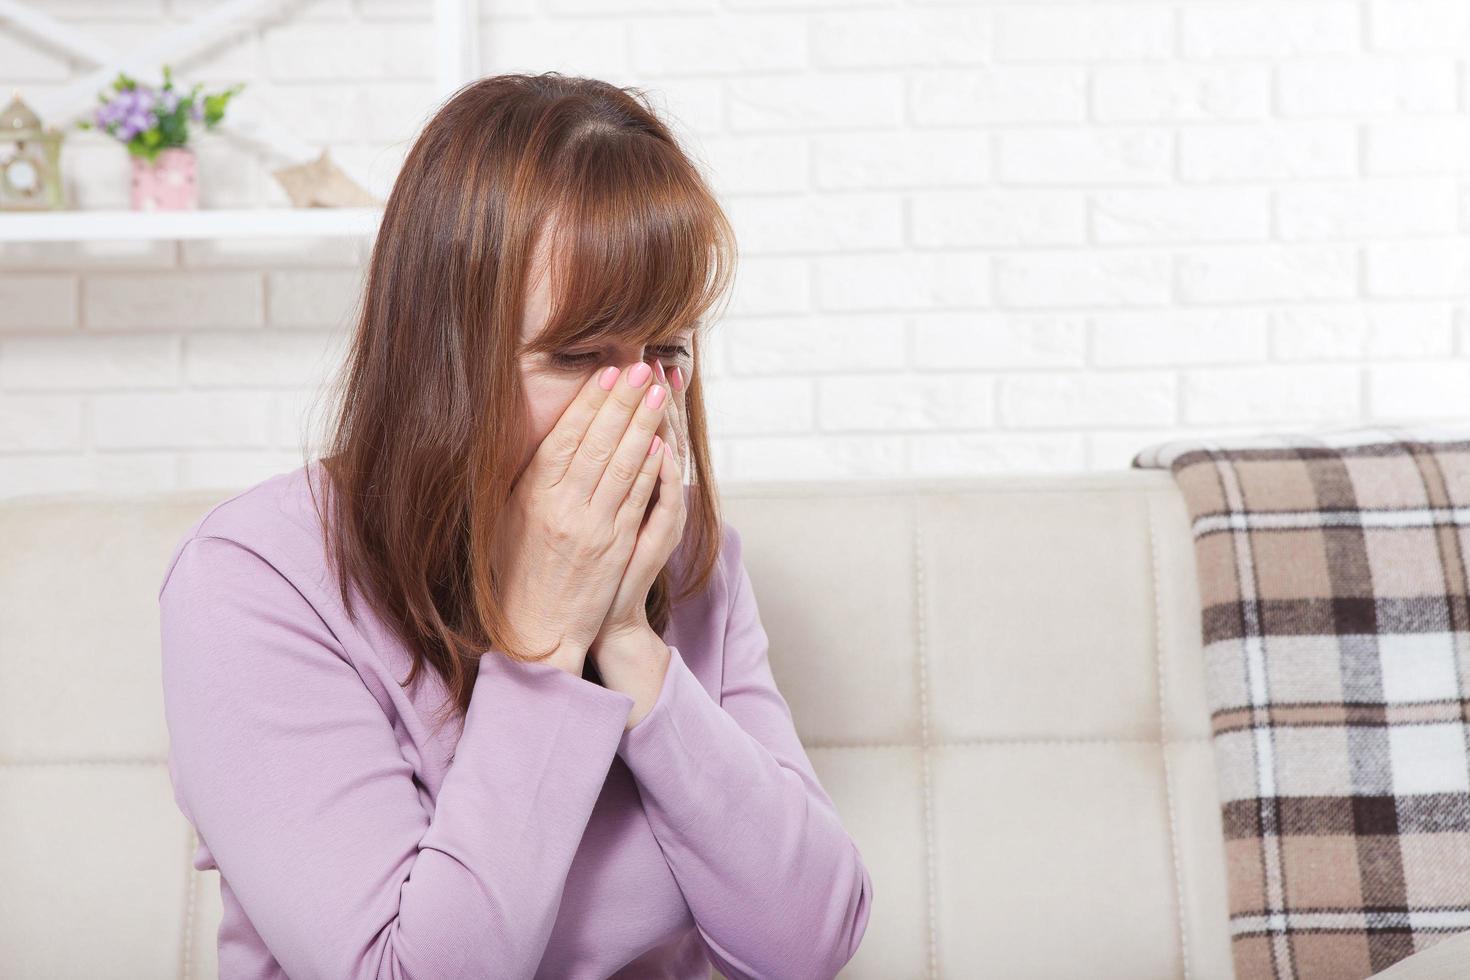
97,225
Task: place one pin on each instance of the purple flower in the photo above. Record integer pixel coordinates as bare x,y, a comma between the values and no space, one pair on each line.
110,113
127,112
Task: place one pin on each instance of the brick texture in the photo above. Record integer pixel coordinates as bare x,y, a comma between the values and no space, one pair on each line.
975,237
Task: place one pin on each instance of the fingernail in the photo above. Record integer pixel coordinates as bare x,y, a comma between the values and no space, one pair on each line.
658,372
676,378
608,378
638,373
653,447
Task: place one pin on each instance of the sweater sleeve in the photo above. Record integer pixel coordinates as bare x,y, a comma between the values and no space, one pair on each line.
776,886
288,767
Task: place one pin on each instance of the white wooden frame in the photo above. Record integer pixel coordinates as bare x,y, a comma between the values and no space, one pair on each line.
456,58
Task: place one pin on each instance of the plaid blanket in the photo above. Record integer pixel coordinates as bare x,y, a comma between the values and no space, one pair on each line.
1333,570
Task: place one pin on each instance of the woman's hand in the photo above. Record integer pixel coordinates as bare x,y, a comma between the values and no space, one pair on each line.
663,527
574,513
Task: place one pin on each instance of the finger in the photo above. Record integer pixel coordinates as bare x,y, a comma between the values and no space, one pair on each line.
665,428
650,480
664,513
669,431
622,468
621,410
675,437
665,433
639,493
678,416
559,447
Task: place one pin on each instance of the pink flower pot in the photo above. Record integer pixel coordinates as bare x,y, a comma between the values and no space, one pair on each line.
168,184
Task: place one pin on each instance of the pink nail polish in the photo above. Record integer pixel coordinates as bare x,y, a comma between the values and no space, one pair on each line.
676,378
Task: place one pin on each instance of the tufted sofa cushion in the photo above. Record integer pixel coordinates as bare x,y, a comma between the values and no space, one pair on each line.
997,678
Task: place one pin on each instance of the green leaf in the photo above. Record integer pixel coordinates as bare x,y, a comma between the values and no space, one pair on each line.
175,129
214,105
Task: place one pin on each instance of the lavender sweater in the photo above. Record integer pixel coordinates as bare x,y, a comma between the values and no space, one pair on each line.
538,838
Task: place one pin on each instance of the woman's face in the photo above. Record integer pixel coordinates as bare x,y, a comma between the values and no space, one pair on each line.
551,380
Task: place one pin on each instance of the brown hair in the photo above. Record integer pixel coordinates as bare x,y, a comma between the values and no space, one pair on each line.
429,419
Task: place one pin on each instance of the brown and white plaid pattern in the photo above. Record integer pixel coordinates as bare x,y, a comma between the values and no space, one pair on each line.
1333,569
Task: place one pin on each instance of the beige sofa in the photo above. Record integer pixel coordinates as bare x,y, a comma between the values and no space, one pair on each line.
998,679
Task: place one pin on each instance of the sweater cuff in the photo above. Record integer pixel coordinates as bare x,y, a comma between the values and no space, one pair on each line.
686,747
530,686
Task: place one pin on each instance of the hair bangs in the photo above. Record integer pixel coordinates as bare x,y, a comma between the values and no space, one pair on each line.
638,249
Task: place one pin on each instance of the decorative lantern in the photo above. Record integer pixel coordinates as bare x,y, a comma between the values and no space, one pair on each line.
30,161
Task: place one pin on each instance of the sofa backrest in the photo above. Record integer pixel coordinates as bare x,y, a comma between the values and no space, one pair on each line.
997,678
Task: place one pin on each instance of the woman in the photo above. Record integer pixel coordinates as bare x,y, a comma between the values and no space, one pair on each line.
466,697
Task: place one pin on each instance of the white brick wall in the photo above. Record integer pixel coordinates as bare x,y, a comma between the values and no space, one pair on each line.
976,236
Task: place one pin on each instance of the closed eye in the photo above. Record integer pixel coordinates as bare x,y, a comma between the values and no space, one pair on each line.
584,358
